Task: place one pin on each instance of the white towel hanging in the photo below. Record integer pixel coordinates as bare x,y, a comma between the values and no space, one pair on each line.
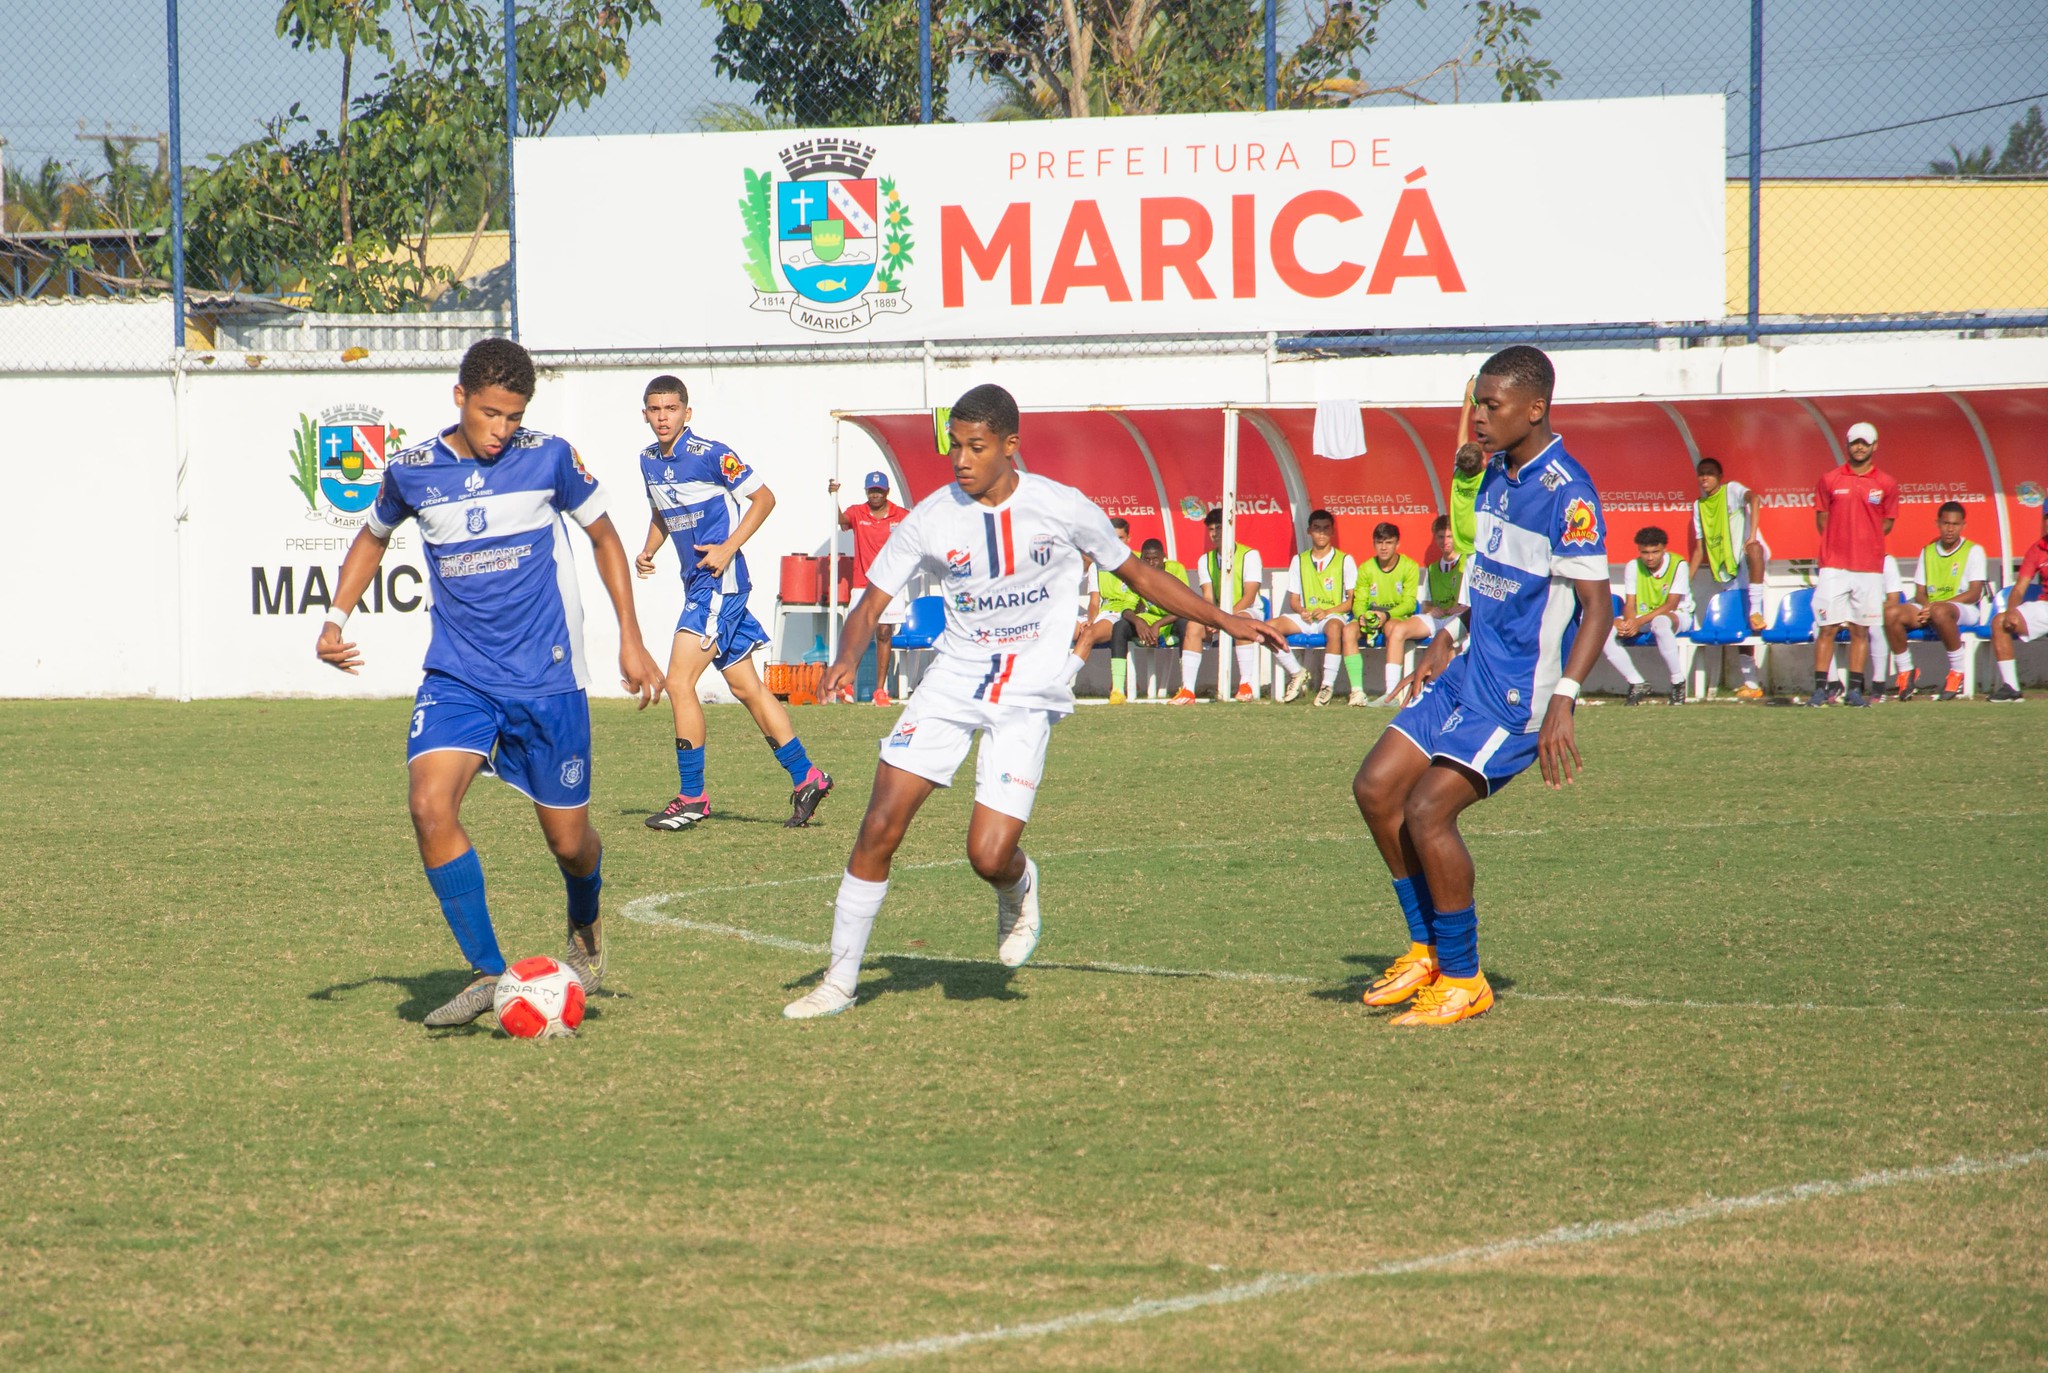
1340,430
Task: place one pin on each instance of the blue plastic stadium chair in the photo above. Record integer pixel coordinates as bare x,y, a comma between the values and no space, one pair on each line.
923,626
1793,624
1727,619
2000,600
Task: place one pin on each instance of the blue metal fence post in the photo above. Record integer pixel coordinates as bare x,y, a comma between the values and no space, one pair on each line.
177,156
924,61
1272,54
1756,161
511,132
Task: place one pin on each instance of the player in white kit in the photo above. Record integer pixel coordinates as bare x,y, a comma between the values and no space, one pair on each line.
1008,548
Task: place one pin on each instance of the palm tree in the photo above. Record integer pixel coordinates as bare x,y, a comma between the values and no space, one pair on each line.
1962,164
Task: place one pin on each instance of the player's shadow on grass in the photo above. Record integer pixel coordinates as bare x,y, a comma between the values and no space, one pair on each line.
960,980
1369,966
428,990
719,817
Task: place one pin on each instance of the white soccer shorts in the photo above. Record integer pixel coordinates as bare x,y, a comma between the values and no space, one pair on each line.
2033,619
1970,616
896,612
933,735
1319,627
1841,597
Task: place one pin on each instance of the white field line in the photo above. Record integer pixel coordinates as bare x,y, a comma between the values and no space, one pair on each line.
650,910
1273,1284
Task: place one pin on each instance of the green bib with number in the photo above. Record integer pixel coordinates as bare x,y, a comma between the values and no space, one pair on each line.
1945,570
1716,533
1446,581
1235,588
1154,615
1654,588
1322,588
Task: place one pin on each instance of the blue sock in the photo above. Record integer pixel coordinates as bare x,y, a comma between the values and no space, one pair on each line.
459,883
792,757
1413,894
583,893
690,768
1457,942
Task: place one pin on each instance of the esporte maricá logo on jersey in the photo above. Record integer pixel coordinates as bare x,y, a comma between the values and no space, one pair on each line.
338,462
839,237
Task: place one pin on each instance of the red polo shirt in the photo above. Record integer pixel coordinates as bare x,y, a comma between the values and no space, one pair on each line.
1857,508
870,532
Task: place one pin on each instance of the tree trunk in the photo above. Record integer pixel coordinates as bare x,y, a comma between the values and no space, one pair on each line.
1080,48
348,223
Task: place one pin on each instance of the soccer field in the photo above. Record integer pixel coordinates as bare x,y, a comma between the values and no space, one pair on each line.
1753,951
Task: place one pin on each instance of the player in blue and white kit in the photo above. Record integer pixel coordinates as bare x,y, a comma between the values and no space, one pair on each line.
1538,614
694,487
1008,548
505,681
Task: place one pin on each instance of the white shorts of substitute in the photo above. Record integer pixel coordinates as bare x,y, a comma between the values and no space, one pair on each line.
896,612
1970,616
933,735
1319,626
1848,598
2033,620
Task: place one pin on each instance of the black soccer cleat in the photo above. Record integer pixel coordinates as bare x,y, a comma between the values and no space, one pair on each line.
1636,692
804,800
681,813
2003,693
1678,693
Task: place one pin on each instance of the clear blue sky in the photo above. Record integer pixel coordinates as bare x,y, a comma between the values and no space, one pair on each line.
1831,67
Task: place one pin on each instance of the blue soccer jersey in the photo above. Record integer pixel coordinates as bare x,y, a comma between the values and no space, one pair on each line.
1536,533
695,490
506,615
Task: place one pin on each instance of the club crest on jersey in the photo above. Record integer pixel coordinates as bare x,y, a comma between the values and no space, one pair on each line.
1041,549
338,460
572,772
474,519
840,237
1493,540
901,736
1579,525
959,563
668,474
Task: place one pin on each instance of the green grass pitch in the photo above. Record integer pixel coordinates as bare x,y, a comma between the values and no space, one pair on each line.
1752,949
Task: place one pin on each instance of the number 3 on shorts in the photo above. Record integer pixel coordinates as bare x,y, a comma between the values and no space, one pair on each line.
419,722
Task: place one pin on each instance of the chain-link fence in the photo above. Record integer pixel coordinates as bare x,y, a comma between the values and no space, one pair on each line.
341,165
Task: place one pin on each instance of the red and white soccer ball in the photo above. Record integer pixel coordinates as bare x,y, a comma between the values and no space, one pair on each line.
539,998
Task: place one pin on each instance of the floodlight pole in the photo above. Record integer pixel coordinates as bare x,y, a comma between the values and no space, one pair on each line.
1226,552
177,171
1756,162
832,555
511,132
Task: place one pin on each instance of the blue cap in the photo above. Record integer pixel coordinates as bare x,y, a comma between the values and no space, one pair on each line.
877,481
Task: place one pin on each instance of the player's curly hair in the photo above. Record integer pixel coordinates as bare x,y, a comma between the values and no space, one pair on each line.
987,404
666,384
497,362
1651,535
1523,367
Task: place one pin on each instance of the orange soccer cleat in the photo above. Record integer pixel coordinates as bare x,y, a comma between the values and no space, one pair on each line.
1449,1000
1749,691
1951,687
1183,697
881,697
1756,622
1404,977
1245,693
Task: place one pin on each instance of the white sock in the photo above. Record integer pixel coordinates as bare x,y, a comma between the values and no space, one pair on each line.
1287,660
1666,635
1248,663
1756,599
1955,659
2009,673
1075,662
1394,674
1331,662
1017,890
1190,668
1746,662
1618,657
853,919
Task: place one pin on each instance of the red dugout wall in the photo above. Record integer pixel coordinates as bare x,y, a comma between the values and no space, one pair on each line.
1983,448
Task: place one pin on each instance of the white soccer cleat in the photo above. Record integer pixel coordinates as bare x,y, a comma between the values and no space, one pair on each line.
1359,698
1323,696
821,1000
1017,929
1295,682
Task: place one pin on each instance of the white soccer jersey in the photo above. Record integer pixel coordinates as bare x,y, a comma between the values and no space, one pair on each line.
1008,571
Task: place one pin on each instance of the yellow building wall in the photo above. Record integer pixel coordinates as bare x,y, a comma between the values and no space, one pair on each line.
1892,247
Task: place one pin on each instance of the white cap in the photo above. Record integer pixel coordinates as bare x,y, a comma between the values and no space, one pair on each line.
1864,431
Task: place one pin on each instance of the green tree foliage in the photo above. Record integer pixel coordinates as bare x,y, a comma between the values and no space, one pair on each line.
2025,153
346,215
856,63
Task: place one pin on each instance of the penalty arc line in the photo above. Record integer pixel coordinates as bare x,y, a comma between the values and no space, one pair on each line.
1274,1284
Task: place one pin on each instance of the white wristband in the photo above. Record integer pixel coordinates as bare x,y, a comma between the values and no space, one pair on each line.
338,618
1566,688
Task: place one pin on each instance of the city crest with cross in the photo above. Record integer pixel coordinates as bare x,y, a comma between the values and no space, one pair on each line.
827,244
338,462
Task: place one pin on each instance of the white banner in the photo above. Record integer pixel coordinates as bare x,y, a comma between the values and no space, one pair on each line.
1559,212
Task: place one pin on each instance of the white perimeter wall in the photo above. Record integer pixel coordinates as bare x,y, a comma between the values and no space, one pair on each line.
126,579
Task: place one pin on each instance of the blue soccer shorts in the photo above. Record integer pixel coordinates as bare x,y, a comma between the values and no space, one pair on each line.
538,745
1439,724
722,622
